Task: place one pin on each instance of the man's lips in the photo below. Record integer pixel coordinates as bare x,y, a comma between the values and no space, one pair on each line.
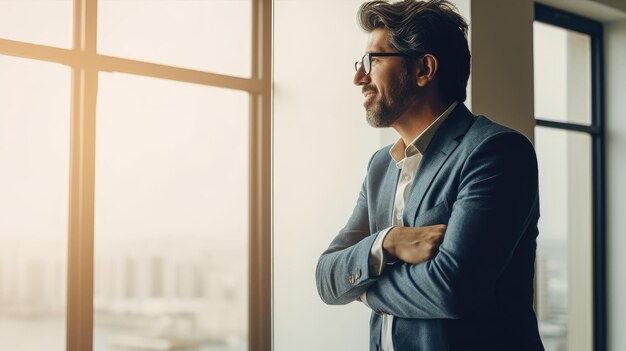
368,97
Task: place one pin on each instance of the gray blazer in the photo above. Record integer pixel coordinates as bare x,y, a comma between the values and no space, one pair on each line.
479,178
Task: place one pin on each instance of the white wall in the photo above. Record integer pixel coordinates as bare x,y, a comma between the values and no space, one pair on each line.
322,144
615,83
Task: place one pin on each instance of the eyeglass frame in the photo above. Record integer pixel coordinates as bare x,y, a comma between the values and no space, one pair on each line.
359,64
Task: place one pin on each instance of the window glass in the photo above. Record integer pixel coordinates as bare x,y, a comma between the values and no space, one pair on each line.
34,154
22,20
171,216
562,66
564,277
208,35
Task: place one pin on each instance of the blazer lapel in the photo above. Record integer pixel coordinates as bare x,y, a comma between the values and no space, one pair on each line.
441,146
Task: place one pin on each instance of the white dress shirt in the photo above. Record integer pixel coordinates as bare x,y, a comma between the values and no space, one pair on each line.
407,160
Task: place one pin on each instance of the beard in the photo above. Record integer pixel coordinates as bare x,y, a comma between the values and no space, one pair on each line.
382,111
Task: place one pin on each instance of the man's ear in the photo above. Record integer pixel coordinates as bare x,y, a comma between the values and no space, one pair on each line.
427,67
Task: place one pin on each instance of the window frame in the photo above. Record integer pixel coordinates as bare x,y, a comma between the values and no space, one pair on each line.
85,64
594,29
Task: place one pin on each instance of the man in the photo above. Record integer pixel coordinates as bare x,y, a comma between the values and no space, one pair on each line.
441,243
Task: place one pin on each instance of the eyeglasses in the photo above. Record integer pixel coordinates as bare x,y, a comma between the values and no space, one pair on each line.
366,60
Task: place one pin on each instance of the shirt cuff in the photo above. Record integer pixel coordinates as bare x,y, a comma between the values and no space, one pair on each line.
363,298
377,259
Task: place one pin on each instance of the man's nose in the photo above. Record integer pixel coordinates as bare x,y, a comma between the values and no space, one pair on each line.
360,78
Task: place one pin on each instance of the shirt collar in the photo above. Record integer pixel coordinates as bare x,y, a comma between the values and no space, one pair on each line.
419,144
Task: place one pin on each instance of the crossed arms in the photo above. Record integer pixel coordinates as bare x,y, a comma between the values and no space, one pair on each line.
496,200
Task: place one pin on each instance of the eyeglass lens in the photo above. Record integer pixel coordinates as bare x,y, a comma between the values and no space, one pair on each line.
365,62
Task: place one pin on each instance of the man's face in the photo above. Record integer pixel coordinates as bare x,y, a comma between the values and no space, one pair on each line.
388,89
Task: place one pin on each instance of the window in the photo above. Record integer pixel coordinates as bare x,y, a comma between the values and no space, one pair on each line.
569,140
34,144
136,146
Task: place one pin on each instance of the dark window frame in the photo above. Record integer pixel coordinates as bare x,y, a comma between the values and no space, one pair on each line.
594,29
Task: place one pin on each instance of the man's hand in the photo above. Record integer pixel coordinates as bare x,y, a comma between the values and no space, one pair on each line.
414,244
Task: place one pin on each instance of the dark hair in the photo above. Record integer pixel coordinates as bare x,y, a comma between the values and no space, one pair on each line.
433,26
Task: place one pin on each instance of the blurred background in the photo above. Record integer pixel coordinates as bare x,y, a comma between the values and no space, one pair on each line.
170,95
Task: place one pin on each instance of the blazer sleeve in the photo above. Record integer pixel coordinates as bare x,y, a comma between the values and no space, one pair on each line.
497,198
343,273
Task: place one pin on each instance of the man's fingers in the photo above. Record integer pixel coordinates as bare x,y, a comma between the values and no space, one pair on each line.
415,244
